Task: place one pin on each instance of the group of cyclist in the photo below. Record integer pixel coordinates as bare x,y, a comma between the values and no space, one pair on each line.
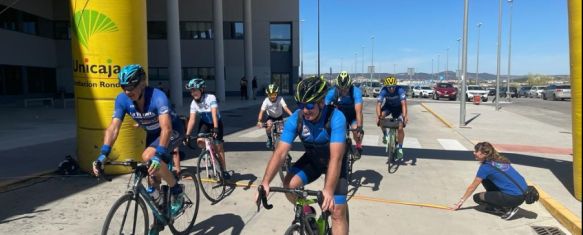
321,120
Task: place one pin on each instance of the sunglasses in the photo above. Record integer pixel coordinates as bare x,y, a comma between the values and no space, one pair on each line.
128,88
309,106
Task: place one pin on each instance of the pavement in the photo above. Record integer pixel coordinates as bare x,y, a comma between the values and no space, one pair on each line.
413,200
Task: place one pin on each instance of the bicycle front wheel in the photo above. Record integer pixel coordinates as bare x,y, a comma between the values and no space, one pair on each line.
210,177
296,229
128,215
391,150
284,169
184,221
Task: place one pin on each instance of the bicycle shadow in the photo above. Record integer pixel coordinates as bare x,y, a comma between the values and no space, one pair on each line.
364,178
219,224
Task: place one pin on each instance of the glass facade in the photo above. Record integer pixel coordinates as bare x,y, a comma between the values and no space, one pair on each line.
280,35
20,21
233,30
196,30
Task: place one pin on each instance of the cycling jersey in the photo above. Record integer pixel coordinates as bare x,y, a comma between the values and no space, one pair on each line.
156,103
391,101
315,134
345,103
208,101
274,109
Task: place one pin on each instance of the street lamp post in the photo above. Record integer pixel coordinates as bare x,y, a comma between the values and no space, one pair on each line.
432,74
478,55
355,62
464,66
395,70
438,57
498,55
458,58
301,50
509,52
318,38
362,71
446,62
371,58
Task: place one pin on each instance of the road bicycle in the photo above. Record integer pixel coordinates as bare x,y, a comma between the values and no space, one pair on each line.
210,171
349,153
391,148
276,131
303,223
129,214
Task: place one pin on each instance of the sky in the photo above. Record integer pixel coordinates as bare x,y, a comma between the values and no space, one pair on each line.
412,33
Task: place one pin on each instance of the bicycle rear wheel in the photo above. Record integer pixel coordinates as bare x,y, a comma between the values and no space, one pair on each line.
210,177
296,229
184,221
391,150
285,167
128,215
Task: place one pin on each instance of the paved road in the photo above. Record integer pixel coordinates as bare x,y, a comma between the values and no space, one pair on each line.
439,167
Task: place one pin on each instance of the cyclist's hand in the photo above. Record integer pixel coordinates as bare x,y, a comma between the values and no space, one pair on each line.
406,119
98,164
266,188
154,165
186,140
359,132
259,124
328,203
215,132
378,120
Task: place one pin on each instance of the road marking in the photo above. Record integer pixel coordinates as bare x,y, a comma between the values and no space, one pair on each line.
411,143
372,140
254,134
451,144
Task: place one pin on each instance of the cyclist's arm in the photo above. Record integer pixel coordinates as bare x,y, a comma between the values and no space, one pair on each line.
165,129
191,122
404,109
285,108
358,109
358,105
260,115
471,188
378,109
112,131
275,162
337,145
215,113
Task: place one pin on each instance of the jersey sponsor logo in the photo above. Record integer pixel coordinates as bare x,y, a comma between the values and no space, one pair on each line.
305,131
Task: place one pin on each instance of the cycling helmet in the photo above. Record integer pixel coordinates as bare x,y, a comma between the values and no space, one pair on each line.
311,90
343,80
131,75
196,83
390,81
271,89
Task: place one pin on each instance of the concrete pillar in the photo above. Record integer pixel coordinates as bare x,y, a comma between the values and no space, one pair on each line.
174,56
248,47
106,35
219,50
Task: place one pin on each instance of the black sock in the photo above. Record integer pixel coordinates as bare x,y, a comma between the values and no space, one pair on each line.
176,189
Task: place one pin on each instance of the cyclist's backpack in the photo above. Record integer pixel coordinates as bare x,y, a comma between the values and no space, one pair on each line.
300,125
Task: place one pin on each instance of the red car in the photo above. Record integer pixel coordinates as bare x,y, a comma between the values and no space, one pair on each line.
444,90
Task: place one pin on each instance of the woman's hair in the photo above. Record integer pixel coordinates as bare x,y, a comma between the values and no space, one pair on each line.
490,152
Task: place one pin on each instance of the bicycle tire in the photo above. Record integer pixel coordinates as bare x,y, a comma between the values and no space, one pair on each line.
191,203
295,229
126,198
210,177
391,150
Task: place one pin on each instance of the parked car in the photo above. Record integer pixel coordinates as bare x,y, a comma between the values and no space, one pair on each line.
372,89
513,92
492,91
422,91
475,90
523,91
536,91
557,92
444,90
408,90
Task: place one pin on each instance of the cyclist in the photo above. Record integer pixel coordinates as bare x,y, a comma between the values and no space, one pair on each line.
149,107
274,105
393,100
210,118
322,130
348,99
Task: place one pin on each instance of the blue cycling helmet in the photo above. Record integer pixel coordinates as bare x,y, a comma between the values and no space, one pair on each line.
131,75
196,83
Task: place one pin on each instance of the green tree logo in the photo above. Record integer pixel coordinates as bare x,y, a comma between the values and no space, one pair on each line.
89,22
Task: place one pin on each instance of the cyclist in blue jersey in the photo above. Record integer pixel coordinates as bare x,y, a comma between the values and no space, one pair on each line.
348,99
150,108
205,105
322,130
392,101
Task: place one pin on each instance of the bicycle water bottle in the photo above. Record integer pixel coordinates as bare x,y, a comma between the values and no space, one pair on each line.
154,194
321,225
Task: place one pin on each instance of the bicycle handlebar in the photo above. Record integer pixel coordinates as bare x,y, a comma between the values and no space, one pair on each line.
303,193
135,165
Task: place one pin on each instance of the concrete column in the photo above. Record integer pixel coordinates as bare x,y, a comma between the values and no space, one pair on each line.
248,47
219,50
174,56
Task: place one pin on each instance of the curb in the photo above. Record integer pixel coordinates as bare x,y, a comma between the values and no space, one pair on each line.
559,212
437,116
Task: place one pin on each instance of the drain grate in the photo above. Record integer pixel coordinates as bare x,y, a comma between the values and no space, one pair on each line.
546,230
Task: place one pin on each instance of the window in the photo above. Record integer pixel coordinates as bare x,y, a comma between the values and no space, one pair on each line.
16,20
41,80
156,30
233,30
11,80
9,19
206,73
282,80
157,74
280,35
62,30
196,30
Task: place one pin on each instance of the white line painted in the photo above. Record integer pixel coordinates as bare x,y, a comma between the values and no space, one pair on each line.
411,143
372,140
254,134
451,144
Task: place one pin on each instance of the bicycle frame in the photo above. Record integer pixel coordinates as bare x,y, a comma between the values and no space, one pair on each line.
210,148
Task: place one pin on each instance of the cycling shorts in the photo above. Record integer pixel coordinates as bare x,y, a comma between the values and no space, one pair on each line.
204,127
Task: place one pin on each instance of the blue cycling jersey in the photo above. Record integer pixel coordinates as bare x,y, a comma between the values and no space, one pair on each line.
390,100
344,101
156,103
315,133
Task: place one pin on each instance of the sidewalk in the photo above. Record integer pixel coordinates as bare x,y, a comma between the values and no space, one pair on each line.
528,143
34,140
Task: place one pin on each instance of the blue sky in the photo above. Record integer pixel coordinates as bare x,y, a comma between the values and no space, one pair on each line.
410,33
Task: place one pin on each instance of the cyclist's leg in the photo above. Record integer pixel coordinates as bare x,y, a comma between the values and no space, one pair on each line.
269,125
339,214
401,131
384,113
301,173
